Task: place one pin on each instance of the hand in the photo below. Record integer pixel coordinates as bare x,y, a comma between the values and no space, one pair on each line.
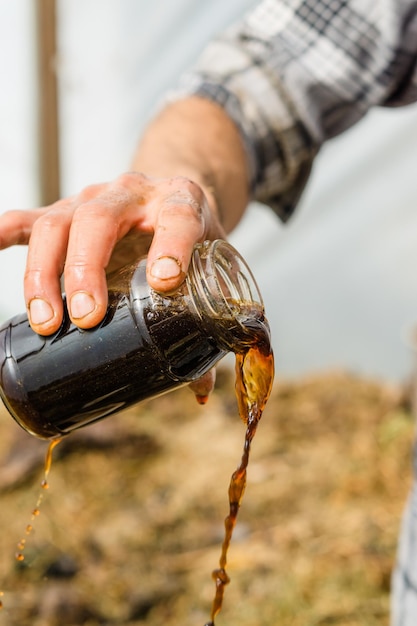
100,229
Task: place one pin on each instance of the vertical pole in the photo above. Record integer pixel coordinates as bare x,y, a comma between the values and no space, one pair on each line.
49,170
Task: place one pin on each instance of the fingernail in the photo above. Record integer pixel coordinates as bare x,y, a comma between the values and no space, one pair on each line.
166,267
40,311
81,304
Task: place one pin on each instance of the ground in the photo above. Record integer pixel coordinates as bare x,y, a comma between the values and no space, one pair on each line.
132,523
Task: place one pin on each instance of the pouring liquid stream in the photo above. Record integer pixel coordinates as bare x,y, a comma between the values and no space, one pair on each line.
254,377
21,544
36,511
19,556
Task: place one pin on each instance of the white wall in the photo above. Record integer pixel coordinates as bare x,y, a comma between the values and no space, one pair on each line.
338,281
18,134
116,60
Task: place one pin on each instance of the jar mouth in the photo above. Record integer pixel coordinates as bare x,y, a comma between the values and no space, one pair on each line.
224,281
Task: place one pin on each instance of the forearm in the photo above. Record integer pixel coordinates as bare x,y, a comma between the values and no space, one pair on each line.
195,138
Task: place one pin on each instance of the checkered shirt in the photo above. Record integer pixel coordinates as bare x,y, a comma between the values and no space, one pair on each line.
293,73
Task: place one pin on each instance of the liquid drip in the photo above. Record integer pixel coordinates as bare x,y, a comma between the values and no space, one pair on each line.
254,377
21,545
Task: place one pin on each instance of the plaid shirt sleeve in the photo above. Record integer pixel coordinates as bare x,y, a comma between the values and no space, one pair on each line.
294,73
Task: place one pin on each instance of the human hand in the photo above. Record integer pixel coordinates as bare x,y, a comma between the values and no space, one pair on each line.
104,227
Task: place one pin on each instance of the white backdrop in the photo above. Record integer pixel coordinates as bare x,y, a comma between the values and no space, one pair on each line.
338,281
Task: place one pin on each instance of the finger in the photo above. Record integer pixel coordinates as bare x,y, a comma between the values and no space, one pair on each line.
180,223
16,226
45,260
96,228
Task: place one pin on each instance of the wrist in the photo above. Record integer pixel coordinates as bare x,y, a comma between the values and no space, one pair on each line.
194,138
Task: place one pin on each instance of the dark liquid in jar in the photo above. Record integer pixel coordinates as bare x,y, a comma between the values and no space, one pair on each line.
124,360
254,377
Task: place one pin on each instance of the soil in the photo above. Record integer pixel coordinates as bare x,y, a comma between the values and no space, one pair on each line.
131,526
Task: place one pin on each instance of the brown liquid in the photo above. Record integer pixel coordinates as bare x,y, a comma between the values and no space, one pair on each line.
254,377
19,556
21,545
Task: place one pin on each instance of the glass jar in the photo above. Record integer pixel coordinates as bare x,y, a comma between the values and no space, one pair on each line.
146,345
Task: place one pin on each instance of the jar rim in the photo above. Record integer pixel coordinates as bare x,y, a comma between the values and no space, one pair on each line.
224,281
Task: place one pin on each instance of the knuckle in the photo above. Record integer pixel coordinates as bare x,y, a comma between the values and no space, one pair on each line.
185,198
50,220
96,214
56,215
187,186
89,193
77,268
11,214
35,279
88,212
12,220
13,217
182,209
31,274
94,228
131,180
110,200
